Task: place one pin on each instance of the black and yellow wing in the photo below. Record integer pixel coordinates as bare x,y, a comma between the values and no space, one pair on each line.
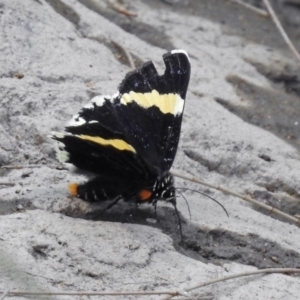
150,108
133,134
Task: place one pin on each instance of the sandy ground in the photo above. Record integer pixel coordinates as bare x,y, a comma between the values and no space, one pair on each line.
240,129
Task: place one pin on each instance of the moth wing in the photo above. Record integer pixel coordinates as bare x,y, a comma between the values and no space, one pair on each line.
94,141
134,133
150,108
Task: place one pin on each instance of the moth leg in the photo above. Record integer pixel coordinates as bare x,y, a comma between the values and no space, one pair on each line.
178,220
155,212
112,203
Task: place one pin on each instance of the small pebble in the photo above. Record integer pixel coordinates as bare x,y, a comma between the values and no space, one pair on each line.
26,173
152,221
275,259
20,207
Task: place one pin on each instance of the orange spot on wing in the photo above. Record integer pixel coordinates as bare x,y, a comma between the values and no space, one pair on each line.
73,189
144,195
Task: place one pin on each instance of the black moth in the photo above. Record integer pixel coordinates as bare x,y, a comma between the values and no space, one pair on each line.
129,140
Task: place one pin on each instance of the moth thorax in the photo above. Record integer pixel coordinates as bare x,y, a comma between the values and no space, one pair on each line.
164,188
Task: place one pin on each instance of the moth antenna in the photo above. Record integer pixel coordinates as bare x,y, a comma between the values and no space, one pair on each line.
187,204
187,189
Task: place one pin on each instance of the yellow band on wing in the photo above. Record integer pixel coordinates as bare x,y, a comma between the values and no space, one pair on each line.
167,103
118,144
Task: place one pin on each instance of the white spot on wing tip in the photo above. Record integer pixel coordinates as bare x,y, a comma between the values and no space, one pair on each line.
180,51
96,101
179,106
55,134
115,95
100,100
89,105
61,154
76,121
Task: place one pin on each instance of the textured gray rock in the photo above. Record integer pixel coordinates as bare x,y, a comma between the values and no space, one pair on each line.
55,55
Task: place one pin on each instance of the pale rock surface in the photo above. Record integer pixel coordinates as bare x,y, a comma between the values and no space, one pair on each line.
68,52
